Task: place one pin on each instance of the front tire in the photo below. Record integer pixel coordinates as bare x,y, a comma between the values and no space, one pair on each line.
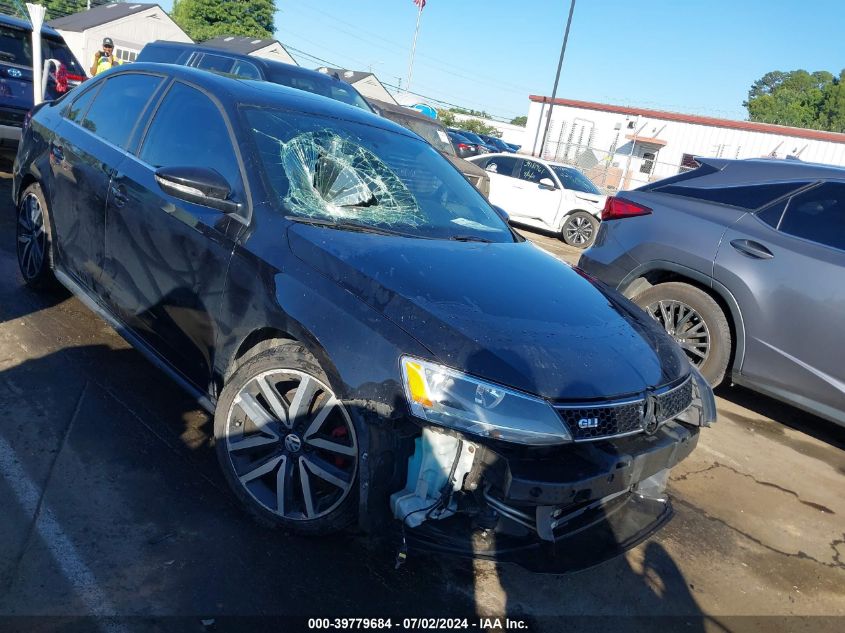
34,247
288,447
579,229
695,321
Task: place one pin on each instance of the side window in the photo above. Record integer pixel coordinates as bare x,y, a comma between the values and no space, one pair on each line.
201,139
118,105
772,215
534,172
76,111
215,63
245,69
501,165
818,215
745,197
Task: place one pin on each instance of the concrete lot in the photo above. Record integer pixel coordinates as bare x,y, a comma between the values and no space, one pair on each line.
112,504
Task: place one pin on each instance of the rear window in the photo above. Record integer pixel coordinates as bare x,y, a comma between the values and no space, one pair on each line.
747,197
16,48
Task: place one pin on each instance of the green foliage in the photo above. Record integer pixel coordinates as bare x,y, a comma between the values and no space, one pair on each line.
477,126
205,19
520,120
448,118
800,99
55,8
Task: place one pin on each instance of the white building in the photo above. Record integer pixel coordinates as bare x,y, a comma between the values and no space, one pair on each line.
632,146
130,25
267,48
365,83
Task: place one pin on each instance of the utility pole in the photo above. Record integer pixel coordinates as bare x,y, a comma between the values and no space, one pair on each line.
36,16
554,89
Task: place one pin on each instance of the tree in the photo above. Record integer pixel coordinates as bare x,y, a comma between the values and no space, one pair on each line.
798,98
55,8
205,19
520,120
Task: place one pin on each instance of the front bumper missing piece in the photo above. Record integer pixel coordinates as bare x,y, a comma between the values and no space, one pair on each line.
562,512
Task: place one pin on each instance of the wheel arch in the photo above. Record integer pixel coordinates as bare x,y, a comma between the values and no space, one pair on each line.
653,273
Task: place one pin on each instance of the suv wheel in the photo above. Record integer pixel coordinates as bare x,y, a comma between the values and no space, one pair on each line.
33,239
288,447
695,321
579,229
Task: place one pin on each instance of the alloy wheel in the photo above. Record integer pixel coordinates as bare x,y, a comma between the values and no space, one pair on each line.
578,231
292,444
32,238
685,325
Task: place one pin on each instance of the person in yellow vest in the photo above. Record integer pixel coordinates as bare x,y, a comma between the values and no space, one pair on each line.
104,59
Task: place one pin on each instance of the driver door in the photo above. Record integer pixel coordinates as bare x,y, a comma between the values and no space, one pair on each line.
539,201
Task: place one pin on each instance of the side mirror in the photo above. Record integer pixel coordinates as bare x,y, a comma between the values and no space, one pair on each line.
200,185
501,213
547,183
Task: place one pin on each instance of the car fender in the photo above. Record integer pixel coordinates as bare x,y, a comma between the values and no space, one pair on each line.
628,287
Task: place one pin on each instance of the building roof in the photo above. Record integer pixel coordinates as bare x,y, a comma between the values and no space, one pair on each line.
750,126
97,16
349,76
239,43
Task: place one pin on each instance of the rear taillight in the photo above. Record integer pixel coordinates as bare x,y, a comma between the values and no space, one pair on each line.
464,146
76,78
618,208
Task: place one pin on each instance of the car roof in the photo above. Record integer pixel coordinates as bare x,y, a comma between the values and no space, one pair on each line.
9,20
732,171
265,93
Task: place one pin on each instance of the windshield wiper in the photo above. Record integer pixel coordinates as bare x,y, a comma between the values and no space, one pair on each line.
347,226
470,238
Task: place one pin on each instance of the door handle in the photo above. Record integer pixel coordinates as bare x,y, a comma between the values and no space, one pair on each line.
752,249
119,196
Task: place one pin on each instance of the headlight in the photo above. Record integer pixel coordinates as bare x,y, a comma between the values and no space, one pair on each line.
449,398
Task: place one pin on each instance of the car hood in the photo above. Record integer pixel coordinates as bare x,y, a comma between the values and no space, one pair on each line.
510,313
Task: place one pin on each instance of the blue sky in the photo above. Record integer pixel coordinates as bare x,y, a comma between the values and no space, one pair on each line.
698,57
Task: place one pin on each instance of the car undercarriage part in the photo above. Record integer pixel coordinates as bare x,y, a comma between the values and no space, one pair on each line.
436,469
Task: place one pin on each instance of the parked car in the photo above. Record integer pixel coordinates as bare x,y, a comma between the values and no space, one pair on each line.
435,133
514,148
16,92
497,143
464,148
375,343
251,67
483,147
545,195
743,262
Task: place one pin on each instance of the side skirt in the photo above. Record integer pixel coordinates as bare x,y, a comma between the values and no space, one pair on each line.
204,400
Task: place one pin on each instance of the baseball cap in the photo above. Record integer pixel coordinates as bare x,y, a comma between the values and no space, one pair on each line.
107,42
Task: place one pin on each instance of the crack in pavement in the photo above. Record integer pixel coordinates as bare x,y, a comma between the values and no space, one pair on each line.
40,504
809,504
837,563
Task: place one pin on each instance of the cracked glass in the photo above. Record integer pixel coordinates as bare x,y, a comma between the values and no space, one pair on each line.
344,173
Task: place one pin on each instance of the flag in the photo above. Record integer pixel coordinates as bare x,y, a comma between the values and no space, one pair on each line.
420,4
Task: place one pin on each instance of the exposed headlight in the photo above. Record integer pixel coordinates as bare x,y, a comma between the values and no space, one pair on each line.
702,410
449,398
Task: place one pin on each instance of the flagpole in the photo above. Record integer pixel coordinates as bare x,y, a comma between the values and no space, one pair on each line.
414,47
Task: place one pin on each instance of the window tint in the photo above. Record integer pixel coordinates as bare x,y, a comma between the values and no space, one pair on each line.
534,172
573,179
745,197
189,131
79,107
216,63
501,165
118,105
818,215
245,69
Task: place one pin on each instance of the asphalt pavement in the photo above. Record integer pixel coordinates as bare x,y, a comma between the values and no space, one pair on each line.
111,504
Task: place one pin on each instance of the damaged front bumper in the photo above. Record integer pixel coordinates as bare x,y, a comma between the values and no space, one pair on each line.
553,510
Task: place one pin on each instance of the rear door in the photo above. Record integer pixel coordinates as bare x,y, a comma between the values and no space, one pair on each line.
503,181
786,267
91,142
167,258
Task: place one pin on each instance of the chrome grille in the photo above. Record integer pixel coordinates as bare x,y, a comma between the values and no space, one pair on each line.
590,422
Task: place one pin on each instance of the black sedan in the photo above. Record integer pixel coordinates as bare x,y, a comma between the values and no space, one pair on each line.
377,346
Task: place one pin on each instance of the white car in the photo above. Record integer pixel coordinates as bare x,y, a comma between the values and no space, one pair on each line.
545,195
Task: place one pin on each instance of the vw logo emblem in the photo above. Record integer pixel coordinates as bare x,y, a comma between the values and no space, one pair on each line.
293,443
14,72
650,421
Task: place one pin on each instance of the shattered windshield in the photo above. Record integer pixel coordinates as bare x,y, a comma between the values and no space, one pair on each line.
342,173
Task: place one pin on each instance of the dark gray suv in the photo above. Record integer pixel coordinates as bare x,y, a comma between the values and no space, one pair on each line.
743,262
